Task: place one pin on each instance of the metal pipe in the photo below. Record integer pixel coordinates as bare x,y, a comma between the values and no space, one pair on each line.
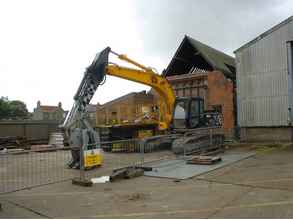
125,58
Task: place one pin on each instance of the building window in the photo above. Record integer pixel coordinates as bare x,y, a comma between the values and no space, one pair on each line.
217,108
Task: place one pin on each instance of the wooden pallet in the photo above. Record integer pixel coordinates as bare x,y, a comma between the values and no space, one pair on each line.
204,160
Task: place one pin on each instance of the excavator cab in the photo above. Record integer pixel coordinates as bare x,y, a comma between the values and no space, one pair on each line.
189,113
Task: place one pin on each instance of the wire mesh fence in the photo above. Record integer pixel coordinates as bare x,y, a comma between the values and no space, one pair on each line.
30,168
118,154
121,146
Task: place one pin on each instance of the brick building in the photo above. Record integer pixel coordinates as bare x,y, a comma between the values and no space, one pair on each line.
126,109
199,70
216,90
49,112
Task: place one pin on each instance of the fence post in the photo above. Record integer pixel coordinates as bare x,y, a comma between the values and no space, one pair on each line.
81,165
82,181
184,150
142,144
211,136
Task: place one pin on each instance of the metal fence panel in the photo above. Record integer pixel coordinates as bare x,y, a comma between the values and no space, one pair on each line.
30,168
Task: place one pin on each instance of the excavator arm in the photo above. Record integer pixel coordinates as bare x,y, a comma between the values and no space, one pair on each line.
95,76
148,77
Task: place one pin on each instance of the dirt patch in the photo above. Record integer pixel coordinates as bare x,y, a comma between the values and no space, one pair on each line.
137,196
107,189
133,197
261,147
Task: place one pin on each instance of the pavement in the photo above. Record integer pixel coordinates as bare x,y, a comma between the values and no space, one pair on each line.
260,186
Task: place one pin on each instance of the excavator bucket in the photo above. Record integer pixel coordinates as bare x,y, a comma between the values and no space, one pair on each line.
98,66
93,77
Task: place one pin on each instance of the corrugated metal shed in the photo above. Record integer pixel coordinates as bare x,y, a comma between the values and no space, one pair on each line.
262,78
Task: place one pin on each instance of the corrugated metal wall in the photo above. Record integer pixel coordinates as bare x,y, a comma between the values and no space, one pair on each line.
262,80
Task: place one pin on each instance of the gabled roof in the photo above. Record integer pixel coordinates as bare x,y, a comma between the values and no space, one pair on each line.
49,108
274,28
214,59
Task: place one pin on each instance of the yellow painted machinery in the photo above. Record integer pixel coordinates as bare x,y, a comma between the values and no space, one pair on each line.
177,115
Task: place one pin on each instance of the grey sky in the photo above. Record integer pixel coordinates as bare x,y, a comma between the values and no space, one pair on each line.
223,24
46,45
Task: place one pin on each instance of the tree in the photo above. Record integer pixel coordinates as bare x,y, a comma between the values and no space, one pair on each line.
18,109
4,108
13,109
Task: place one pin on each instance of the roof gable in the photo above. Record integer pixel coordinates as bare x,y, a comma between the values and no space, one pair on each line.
196,54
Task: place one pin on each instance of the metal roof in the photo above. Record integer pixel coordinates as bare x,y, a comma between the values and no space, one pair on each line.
261,36
217,59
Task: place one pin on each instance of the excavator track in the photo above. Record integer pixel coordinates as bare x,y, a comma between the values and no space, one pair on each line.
158,142
195,141
198,141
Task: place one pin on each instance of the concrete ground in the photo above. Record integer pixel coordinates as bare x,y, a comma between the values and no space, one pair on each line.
258,187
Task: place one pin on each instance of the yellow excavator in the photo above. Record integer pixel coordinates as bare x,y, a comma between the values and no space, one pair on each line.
178,115
143,75
175,112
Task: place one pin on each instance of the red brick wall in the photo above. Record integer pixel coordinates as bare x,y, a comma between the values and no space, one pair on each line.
128,109
213,87
220,92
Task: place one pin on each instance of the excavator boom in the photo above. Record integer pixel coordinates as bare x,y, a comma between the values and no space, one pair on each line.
144,75
158,83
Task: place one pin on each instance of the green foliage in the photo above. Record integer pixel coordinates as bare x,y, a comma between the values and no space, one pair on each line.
13,109
4,107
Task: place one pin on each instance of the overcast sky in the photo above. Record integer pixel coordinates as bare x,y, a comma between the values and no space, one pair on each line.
45,46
